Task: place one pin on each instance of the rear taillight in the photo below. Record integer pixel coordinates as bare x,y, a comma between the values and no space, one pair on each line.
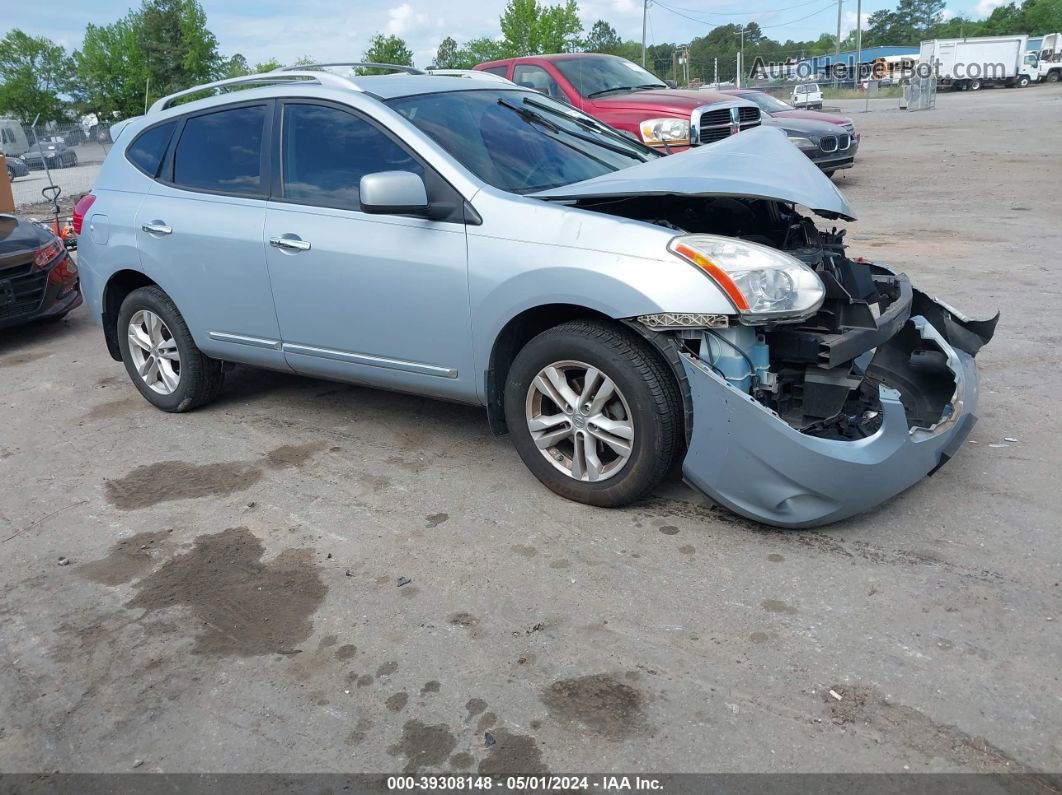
46,254
82,207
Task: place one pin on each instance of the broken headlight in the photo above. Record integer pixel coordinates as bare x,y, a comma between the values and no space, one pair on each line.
761,282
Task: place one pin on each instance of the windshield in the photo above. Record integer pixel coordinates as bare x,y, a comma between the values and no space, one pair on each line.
596,76
520,141
766,102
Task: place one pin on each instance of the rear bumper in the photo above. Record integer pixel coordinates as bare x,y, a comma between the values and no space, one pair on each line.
745,457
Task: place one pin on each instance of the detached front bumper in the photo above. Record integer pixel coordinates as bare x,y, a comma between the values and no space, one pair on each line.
744,456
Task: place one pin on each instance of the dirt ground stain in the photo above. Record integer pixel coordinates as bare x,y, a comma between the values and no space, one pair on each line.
178,480
292,455
423,745
601,703
245,607
512,754
127,559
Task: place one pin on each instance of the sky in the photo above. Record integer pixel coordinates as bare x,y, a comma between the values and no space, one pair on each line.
334,30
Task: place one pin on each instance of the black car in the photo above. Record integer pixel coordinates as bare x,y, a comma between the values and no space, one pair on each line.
16,167
58,155
38,278
830,146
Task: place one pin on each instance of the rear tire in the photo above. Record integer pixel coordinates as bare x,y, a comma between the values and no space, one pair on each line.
1053,77
638,428
177,376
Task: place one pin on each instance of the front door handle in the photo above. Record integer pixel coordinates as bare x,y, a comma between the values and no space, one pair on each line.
290,242
157,228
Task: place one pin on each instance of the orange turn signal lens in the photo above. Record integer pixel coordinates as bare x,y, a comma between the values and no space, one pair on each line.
717,273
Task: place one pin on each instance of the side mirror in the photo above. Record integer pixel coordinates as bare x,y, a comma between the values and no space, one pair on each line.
393,193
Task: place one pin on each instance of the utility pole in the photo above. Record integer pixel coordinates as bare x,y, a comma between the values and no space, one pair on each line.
715,73
837,59
741,57
859,42
645,17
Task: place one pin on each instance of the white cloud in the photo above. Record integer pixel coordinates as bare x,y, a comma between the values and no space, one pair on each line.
848,22
403,19
986,7
946,14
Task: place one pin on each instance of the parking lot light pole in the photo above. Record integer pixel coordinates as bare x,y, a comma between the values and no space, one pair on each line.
645,16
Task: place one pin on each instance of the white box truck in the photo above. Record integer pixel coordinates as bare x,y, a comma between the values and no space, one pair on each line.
1050,54
970,64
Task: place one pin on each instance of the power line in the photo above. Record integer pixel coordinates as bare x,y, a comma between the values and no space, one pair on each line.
762,27
740,13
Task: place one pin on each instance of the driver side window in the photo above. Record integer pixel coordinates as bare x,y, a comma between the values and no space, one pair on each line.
325,151
539,79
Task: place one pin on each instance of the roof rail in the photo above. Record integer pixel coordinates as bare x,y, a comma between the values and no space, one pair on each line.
473,73
263,79
354,65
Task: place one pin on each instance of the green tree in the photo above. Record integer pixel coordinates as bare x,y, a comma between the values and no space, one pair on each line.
34,73
603,38
530,28
480,51
446,57
1044,16
558,28
112,69
386,49
179,49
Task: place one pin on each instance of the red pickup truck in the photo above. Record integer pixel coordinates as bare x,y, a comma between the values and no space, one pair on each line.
631,99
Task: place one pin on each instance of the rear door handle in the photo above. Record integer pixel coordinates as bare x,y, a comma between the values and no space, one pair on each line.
157,228
290,242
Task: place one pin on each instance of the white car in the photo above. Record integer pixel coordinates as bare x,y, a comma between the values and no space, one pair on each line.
806,95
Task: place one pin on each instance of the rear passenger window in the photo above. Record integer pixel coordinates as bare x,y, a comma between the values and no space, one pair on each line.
326,152
222,151
147,151
501,71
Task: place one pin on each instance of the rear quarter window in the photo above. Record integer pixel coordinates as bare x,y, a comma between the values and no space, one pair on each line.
501,71
222,151
147,149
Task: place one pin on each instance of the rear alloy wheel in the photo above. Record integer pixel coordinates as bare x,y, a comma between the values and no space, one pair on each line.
593,412
160,355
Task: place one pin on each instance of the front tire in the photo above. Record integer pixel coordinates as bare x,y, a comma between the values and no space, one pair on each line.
161,357
1023,81
974,85
593,412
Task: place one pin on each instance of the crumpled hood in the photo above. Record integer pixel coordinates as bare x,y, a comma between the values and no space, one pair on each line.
757,163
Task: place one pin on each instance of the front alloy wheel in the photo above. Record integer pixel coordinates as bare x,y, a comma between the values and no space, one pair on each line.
594,412
154,352
580,421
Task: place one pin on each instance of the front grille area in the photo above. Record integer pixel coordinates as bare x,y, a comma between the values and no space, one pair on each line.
835,143
26,289
718,124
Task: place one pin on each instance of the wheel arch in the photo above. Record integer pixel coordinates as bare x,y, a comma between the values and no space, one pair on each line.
119,285
531,322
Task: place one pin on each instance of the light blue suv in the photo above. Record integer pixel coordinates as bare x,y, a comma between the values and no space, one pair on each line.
614,309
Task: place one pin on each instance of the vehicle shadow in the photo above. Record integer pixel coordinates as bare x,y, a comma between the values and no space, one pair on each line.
300,394
39,333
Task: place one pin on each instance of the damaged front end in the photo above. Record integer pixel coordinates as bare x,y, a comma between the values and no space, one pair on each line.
801,421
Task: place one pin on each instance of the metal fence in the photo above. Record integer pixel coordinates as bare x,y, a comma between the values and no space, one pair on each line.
920,93
68,156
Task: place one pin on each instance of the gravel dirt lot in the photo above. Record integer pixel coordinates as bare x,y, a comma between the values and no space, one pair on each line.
231,601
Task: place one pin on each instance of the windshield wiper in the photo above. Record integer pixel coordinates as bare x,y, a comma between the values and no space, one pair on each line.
604,91
529,115
582,122
594,124
642,87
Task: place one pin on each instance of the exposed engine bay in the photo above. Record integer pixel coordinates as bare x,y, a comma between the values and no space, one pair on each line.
821,374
